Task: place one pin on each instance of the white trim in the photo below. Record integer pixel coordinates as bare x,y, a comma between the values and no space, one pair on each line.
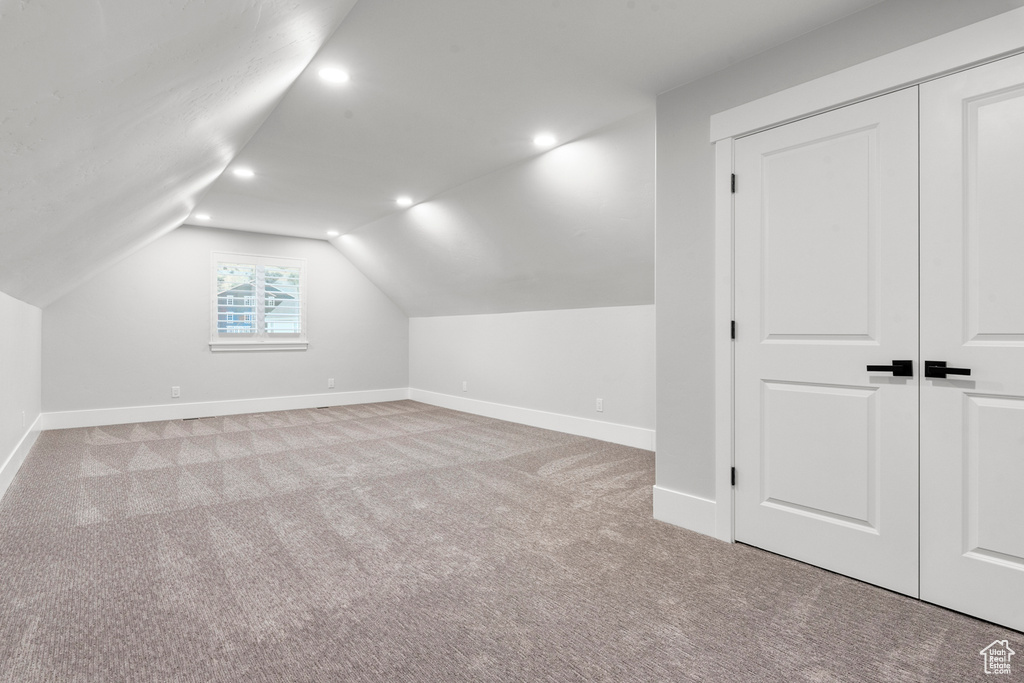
17,456
222,341
258,346
987,40
724,345
690,512
626,435
180,411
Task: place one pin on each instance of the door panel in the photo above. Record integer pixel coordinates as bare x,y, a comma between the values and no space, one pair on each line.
818,456
995,276
839,305
826,284
972,316
994,429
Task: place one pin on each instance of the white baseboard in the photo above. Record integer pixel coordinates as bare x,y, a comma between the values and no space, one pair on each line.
17,456
179,411
605,431
688,511
637,437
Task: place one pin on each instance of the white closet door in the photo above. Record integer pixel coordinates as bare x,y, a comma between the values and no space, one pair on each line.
827,284
972,316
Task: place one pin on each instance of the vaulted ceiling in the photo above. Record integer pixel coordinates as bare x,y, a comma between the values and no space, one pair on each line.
121,120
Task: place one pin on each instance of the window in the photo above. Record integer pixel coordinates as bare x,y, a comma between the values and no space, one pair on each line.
259,303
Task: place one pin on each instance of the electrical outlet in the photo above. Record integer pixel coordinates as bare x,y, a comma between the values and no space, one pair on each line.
330,382
23,419
175,392
600,405
465,385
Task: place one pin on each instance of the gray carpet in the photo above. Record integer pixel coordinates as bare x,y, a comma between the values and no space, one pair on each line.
403,542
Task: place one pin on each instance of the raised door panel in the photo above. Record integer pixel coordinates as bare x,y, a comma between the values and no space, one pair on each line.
993,475
819,452
817,200
995,278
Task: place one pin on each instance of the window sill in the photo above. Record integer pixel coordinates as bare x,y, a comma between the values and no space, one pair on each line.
259,346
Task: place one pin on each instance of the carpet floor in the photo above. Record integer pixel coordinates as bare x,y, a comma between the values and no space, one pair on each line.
404,542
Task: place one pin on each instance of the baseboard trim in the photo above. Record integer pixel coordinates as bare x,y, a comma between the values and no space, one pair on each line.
17,456
179,411
687,511
626,435
637,437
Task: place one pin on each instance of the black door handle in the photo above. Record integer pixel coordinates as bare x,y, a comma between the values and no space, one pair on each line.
938,370
899,368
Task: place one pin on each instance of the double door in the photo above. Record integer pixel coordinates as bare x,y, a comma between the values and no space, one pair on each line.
879,259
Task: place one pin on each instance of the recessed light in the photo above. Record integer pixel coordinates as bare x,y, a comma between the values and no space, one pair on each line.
544,140
242,172
333,75
332,233
404,201
202,216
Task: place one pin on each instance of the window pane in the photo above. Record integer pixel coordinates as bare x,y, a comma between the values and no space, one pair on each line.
236,298
282,310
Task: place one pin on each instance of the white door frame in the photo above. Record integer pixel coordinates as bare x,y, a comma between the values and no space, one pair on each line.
985,41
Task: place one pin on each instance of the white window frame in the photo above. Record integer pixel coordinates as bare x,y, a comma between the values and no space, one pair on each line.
260,340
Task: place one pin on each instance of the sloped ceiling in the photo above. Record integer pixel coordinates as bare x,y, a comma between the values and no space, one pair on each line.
115,115
120,117
570,228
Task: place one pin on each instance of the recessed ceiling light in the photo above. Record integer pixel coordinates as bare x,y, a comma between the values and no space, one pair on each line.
544,140
332,233
333,75
202,216
242,172
404,201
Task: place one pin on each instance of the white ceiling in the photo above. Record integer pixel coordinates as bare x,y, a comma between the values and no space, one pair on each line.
570,228
445,91
115,115
118,119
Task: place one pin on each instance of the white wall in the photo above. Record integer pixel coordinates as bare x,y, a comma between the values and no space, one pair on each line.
555,362
685,223
20,382
572,227
128,335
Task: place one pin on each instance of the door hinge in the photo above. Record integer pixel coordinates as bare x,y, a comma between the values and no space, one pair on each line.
734,183
733,476
732,330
